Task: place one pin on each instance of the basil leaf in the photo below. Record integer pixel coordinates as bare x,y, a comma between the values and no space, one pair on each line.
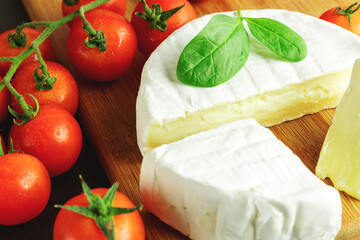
279,38
216,54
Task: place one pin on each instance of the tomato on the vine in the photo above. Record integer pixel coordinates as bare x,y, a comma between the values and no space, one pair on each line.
347,17
70,225
64,93
4,103
148,38
53,136
118,6
24,186
46,49
120,46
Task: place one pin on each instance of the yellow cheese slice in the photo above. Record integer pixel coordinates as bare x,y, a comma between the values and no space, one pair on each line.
340,155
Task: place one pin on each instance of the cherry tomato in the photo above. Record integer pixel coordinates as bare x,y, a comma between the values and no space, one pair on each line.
118,6
46,49
24,186
64,93
149,39
53,136
342,20
120,47
70,225
4,103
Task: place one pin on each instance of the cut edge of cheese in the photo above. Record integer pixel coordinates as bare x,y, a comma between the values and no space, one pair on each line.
339,158
237,181
164,104
268,109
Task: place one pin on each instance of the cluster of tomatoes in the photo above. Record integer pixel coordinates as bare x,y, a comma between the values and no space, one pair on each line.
47,145
50,143
123,37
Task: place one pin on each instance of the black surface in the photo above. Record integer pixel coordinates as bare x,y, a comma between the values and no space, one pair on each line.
63,187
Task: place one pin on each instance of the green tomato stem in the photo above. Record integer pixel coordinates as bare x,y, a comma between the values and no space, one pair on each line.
41,61
147,9
1,149
87,26
32,24
16,61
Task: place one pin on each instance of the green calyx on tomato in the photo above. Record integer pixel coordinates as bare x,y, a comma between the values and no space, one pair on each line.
29,112
17,39
96,38
348,11
70,2
43,81
101,209
156,16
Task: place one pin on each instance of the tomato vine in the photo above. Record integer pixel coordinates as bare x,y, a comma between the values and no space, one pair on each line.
44,81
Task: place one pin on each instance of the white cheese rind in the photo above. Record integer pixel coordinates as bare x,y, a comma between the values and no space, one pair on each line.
162,98
237,181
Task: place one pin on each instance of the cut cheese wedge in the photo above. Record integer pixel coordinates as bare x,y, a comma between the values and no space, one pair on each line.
268,89
237,181
340,155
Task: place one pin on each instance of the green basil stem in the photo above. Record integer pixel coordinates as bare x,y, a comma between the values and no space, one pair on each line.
50,28
239,13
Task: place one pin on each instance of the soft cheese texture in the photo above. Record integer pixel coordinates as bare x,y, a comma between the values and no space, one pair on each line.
340,155
168,110
237,181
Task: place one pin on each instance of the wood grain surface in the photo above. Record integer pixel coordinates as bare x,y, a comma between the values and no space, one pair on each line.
107,111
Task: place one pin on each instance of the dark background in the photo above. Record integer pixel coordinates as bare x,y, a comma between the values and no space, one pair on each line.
63,187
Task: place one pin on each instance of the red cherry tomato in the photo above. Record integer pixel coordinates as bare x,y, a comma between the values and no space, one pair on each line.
118,6
342,20
120,47
53,136
70,225
4,103
25,188
46,49
149,39
64,93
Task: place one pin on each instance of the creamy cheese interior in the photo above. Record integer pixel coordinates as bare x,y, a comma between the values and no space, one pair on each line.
268,109
340,155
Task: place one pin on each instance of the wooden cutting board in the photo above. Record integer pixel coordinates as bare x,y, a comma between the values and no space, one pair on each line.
107,111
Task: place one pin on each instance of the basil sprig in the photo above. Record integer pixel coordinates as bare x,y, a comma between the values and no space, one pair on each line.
222,47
